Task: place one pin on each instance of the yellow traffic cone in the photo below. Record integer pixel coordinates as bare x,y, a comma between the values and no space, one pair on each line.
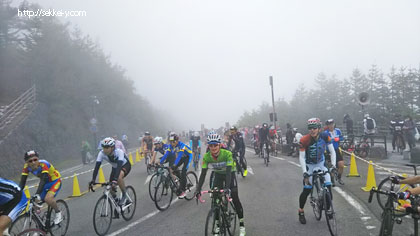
76,187
371,181
130,158
137,156
101,176
353,167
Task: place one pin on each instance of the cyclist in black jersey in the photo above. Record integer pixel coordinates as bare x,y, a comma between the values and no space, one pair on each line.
264,139
238,138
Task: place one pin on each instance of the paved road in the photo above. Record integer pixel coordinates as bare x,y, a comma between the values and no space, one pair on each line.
269,196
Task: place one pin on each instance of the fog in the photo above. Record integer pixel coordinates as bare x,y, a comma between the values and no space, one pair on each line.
209,61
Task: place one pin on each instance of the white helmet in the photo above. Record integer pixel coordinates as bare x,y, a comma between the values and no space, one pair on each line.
108,142
196,134
214,139
158,140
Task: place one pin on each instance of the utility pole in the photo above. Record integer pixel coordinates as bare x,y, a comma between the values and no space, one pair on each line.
272,99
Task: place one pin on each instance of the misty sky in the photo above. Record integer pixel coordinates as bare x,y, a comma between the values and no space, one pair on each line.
209,61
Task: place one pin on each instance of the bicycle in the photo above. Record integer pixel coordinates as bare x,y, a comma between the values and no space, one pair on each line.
107,205
362,149
321,200
32,232
265,152
147,159
239,167
168,185
221,219
34,217
196,158
348,143
399,142
154,181
273,148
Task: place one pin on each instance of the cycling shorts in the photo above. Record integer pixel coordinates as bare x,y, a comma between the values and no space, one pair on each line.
51,187
310,169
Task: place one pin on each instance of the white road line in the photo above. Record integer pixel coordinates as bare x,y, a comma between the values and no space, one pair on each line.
350,200
138,221
294,163
250,170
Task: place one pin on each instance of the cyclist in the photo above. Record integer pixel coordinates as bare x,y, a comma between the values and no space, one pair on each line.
147,143
120,168
396,126
119,144
255,139
183,156
159,146
195,143
239,147
272,133
295,144
336,137
311,155
124,139
224,178
264,139
49,184
12,202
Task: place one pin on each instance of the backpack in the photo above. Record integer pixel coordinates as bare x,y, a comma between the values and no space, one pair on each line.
369,123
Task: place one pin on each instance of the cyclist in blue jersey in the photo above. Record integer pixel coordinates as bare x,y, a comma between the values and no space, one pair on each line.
159,147
12,202
336,137
195,143
311,155
183,156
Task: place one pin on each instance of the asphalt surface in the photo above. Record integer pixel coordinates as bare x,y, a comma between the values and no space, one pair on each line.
269,196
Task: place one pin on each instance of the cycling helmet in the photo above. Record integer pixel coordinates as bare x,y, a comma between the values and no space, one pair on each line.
233,128
124,137
157,140
264,125
31,153
213,139
108,142
295,130
346,116
257,126
196,134
147,133
366,115
329,121
314,123
173,136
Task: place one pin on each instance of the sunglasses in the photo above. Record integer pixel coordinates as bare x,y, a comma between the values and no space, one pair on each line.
213,145
312,128
33,160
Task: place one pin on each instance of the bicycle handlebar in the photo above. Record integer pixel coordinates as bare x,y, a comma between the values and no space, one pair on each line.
102,184
214,191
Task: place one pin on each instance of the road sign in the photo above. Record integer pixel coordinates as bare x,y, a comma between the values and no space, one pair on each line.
93,129
93,121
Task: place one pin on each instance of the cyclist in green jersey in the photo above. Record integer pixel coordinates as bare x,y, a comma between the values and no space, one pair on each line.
221,161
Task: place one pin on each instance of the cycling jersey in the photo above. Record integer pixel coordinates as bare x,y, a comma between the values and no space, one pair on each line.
263,134
336,133
314,149
148,140
44,167
117,155
180,150
162,149
195,142
8,191
219,165
12,200
239,141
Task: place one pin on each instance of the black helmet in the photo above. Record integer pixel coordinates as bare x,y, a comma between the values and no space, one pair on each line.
31,153
265,125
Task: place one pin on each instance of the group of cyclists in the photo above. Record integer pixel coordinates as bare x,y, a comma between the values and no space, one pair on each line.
319,146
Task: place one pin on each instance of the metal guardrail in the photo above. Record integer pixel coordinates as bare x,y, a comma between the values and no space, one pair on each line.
17,106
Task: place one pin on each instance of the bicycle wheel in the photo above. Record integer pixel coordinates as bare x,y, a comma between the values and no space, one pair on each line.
61,228
130,206
316,202
214,226
191,184
266,156
154,181
32,232
387,185
22,223
239,170
163,194
231,217
387,223
330,213
102,216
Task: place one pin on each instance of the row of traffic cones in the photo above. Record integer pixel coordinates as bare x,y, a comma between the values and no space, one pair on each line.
371,180
101,179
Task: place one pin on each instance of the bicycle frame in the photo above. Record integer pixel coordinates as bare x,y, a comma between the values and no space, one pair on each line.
107,193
